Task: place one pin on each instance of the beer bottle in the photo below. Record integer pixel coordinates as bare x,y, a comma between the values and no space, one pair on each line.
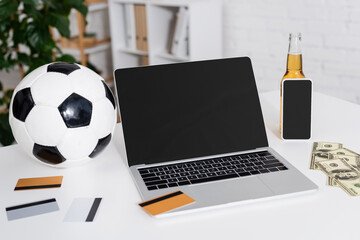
294,62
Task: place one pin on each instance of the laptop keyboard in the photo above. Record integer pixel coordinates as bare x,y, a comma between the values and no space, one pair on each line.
208,170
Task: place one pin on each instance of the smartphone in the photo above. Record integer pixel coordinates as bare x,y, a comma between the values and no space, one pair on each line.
296,108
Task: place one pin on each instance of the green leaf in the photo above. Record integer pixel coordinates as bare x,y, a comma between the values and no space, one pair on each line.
24,58
4,64
57,6
61,23
30,28
83,9
32,3
5,27
1,86
32,12
8,95
10,61
6,136
49,46
18,33
78,5
7,8
92,67
57,49
33,38
36,62
37,35
66,58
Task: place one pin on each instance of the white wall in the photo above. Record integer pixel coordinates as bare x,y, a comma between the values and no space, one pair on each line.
330,39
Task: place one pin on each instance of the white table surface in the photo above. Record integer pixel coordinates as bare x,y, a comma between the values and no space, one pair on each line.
328,213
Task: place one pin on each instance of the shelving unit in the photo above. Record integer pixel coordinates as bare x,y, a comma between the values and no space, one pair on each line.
83,46
204,31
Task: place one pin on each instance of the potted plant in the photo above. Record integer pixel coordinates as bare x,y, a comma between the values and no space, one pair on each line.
6,137
26,41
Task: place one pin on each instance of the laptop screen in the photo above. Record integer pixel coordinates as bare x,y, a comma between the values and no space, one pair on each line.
186,110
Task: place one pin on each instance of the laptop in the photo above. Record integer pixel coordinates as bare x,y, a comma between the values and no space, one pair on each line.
198,127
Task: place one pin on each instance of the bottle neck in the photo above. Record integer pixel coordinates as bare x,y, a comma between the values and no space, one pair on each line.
294,60
295,44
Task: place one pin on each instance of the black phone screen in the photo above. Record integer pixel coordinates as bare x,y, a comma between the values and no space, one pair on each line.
296,122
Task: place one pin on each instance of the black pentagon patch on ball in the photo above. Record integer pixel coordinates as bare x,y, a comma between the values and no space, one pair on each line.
109,94
102,143
62,67
46,154
22,104
76,111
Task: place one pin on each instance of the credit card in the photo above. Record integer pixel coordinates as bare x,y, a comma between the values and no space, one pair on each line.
32,209
166,202
38,183
83,210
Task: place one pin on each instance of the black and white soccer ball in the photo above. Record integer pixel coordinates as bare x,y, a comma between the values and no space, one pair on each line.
62,114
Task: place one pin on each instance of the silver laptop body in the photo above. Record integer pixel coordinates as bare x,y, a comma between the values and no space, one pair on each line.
213,193
232,190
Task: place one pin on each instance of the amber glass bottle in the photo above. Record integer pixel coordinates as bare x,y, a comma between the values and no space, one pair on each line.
294,62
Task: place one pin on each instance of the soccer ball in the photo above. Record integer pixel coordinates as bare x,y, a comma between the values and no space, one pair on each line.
62,114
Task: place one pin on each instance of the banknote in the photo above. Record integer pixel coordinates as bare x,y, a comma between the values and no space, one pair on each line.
332,182
320,151
344,152
347,155
326,146
353,160
347,177
316,157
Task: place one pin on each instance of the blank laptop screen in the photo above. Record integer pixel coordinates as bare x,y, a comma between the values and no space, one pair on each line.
186,110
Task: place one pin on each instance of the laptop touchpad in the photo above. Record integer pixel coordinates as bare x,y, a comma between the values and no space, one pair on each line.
287,182
227,191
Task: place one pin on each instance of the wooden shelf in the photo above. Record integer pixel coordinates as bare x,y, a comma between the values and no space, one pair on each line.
87,41
89,50
92,43
203,32
89,2
133,51
84,43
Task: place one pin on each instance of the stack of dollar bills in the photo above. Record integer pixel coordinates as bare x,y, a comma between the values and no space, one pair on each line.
341,165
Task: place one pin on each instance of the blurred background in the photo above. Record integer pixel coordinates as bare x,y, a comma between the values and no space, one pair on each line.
259,29
110,34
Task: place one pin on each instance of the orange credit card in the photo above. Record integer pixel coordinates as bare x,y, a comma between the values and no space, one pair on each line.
38,183
166,202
